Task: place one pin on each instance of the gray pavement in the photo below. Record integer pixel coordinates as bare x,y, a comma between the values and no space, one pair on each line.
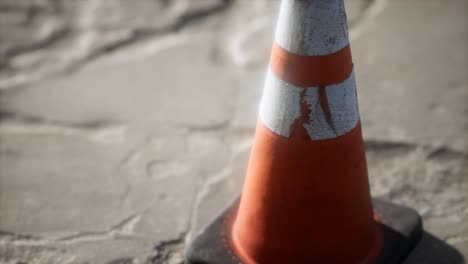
126,125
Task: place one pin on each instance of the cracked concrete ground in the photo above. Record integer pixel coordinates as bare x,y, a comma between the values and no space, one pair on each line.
125,127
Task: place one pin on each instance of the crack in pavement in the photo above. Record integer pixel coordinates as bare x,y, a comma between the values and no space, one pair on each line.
50,40
122,229
13,238
129,157
172,250
86,38
31,11
216,127
169,251
200,195
381,145
102,131
198,14
434,152
446,153
206,187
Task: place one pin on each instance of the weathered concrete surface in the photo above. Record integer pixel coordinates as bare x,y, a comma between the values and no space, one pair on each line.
125,127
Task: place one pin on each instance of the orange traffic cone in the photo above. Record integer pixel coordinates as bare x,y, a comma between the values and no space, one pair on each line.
306,195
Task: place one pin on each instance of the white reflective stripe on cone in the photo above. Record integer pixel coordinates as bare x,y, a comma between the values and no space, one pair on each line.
312,27
343,106
281,106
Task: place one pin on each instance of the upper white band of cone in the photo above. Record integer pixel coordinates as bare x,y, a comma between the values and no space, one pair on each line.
312,27
281,106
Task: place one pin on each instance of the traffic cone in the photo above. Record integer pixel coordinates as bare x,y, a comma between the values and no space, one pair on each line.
306,195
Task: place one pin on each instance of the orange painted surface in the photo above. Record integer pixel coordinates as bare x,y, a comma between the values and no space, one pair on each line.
307,71
306,201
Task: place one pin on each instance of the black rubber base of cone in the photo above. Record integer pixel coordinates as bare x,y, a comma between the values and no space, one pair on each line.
401,228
